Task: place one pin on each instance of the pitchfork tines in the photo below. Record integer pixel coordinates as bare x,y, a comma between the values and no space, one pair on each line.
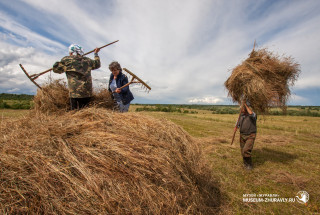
137,80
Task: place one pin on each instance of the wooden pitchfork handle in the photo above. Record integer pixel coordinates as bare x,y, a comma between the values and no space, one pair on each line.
131,82
35,76
236,127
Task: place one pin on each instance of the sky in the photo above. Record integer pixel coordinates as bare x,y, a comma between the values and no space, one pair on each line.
184,49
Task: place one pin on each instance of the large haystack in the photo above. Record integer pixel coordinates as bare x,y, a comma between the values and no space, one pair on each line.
263,79
54,97
95,161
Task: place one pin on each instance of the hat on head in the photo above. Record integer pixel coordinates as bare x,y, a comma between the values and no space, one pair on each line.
75,49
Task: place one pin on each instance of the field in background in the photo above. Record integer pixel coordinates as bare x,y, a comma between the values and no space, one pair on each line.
225,109
14,101
286,157
8,113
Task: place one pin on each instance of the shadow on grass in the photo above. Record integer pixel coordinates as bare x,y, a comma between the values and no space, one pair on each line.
260,156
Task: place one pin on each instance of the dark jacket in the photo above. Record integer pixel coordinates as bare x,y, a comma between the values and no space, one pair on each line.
248,123
125,94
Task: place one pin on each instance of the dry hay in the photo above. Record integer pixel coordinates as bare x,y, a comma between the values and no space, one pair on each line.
288,178
102,98
96,161
263,79
54,97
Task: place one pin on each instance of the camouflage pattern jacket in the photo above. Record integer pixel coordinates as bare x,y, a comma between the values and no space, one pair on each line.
78,71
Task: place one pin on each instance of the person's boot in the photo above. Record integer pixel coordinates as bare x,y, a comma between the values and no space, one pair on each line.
248,163
245,164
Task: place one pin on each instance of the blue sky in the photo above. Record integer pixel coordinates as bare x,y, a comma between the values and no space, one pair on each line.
184,49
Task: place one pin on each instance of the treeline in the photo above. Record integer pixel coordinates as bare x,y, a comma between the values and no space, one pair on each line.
162,108
216,109
228,109
15,101
6,96
306,112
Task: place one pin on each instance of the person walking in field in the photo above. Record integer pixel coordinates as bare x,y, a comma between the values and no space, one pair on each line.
248,130
123,96
78,71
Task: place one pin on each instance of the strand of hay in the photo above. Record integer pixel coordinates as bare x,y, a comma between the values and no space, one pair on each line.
263,79
54,97
95,161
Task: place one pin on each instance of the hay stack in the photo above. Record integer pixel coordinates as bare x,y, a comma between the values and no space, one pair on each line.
102,98
263,79
54,97
95,161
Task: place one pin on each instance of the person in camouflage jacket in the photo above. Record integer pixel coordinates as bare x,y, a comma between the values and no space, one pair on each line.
78,71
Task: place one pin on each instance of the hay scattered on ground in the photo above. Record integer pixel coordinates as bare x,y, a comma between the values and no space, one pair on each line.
54,97
263,79
96,161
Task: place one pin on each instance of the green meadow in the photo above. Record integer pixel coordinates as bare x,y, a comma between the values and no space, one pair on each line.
286,159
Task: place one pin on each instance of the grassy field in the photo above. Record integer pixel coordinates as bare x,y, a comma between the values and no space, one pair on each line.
9,113
286,159
226,109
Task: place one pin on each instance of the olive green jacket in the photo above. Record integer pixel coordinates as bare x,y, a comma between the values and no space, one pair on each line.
78,70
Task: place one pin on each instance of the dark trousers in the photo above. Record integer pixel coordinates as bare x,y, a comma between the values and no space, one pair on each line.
78,103
246,144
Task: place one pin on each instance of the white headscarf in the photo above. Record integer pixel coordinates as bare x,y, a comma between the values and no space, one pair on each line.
75,49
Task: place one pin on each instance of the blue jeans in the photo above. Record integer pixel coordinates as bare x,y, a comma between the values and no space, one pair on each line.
122,108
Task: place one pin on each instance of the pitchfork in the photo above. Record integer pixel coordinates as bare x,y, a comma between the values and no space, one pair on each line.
35,76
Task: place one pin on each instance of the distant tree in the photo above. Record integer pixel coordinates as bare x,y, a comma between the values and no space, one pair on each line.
7,96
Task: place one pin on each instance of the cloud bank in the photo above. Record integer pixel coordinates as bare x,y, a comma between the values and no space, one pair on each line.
185,50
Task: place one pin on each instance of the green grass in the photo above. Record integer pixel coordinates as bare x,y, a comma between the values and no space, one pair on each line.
286,157
16,104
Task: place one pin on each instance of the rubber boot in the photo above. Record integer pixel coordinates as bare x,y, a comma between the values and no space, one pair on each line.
245,164
248,163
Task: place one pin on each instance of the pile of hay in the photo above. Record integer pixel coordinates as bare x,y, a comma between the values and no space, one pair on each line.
263,79
96,161
54,97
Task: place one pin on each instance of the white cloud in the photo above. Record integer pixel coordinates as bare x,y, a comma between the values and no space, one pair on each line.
185,49
295,99
13,90
12,77
21,35
206,100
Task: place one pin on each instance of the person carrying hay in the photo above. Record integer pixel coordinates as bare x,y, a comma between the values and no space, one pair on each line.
117,79
248,130
78,71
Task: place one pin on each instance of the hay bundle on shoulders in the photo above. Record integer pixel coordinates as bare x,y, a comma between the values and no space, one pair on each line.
263,79
54,97
96,161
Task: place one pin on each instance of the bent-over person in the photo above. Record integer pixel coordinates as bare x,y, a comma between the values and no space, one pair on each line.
123,96
78,71
248,130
